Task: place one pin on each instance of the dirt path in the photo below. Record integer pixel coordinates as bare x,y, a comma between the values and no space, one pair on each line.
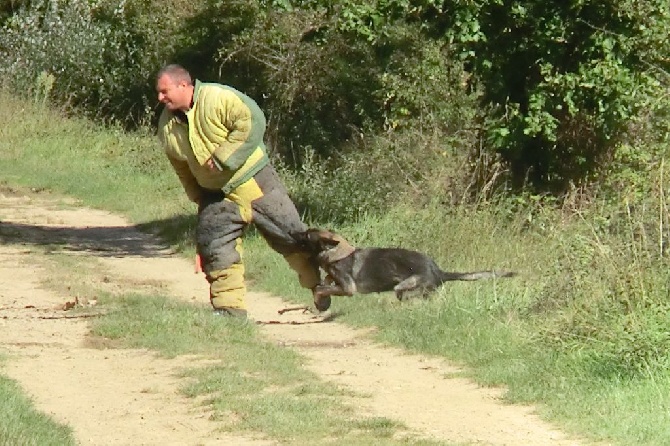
111,396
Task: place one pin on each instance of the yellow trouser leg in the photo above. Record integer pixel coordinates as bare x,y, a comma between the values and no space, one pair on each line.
227,288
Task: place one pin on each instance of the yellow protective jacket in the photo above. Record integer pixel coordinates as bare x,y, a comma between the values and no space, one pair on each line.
224,124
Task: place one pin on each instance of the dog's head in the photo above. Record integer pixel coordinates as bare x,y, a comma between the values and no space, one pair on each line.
315,240
322,243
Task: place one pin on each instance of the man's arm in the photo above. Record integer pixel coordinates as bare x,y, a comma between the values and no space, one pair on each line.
188,181
246,128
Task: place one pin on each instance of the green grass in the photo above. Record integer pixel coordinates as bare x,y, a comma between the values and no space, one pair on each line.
582,332
494,328
21,424
252,385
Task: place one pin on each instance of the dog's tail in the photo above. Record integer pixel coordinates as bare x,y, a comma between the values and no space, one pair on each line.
477,275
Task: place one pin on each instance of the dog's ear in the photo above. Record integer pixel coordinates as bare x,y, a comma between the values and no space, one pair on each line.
334,247
329,239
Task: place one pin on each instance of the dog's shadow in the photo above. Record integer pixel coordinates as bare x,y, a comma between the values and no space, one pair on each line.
316,318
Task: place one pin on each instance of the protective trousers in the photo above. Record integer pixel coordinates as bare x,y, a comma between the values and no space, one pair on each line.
263,201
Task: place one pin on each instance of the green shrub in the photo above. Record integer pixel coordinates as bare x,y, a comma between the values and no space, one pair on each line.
404,167
567,80
102,55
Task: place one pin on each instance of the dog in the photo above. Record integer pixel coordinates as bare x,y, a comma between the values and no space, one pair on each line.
353,270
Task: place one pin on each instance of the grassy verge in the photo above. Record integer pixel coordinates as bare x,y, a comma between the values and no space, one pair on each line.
252,385
21,424
583,330
482,327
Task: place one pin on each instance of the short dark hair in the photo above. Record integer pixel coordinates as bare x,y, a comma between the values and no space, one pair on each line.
176,72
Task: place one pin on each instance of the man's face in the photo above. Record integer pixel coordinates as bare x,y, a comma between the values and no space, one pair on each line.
175,95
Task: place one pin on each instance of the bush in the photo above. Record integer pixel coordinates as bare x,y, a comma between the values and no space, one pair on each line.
102,54
567,81
406,167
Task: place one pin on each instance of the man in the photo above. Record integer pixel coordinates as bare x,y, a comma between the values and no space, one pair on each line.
213,136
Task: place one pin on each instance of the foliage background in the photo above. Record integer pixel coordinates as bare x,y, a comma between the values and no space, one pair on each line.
522,95
534,94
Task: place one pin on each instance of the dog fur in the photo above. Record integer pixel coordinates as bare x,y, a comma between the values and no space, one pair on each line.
353,270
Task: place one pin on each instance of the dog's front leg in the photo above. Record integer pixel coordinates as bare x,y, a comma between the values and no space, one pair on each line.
331,290
336,283
338,286
329,287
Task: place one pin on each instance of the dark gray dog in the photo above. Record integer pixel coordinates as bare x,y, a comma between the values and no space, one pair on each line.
373,270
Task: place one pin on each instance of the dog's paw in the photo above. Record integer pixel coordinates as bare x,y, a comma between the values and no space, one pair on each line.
322,303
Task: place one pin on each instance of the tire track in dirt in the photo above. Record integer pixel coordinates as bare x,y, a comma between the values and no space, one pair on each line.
412,389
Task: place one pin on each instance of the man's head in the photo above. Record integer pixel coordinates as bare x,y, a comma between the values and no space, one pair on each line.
174,87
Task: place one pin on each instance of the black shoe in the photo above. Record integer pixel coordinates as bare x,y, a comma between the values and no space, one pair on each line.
231,312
